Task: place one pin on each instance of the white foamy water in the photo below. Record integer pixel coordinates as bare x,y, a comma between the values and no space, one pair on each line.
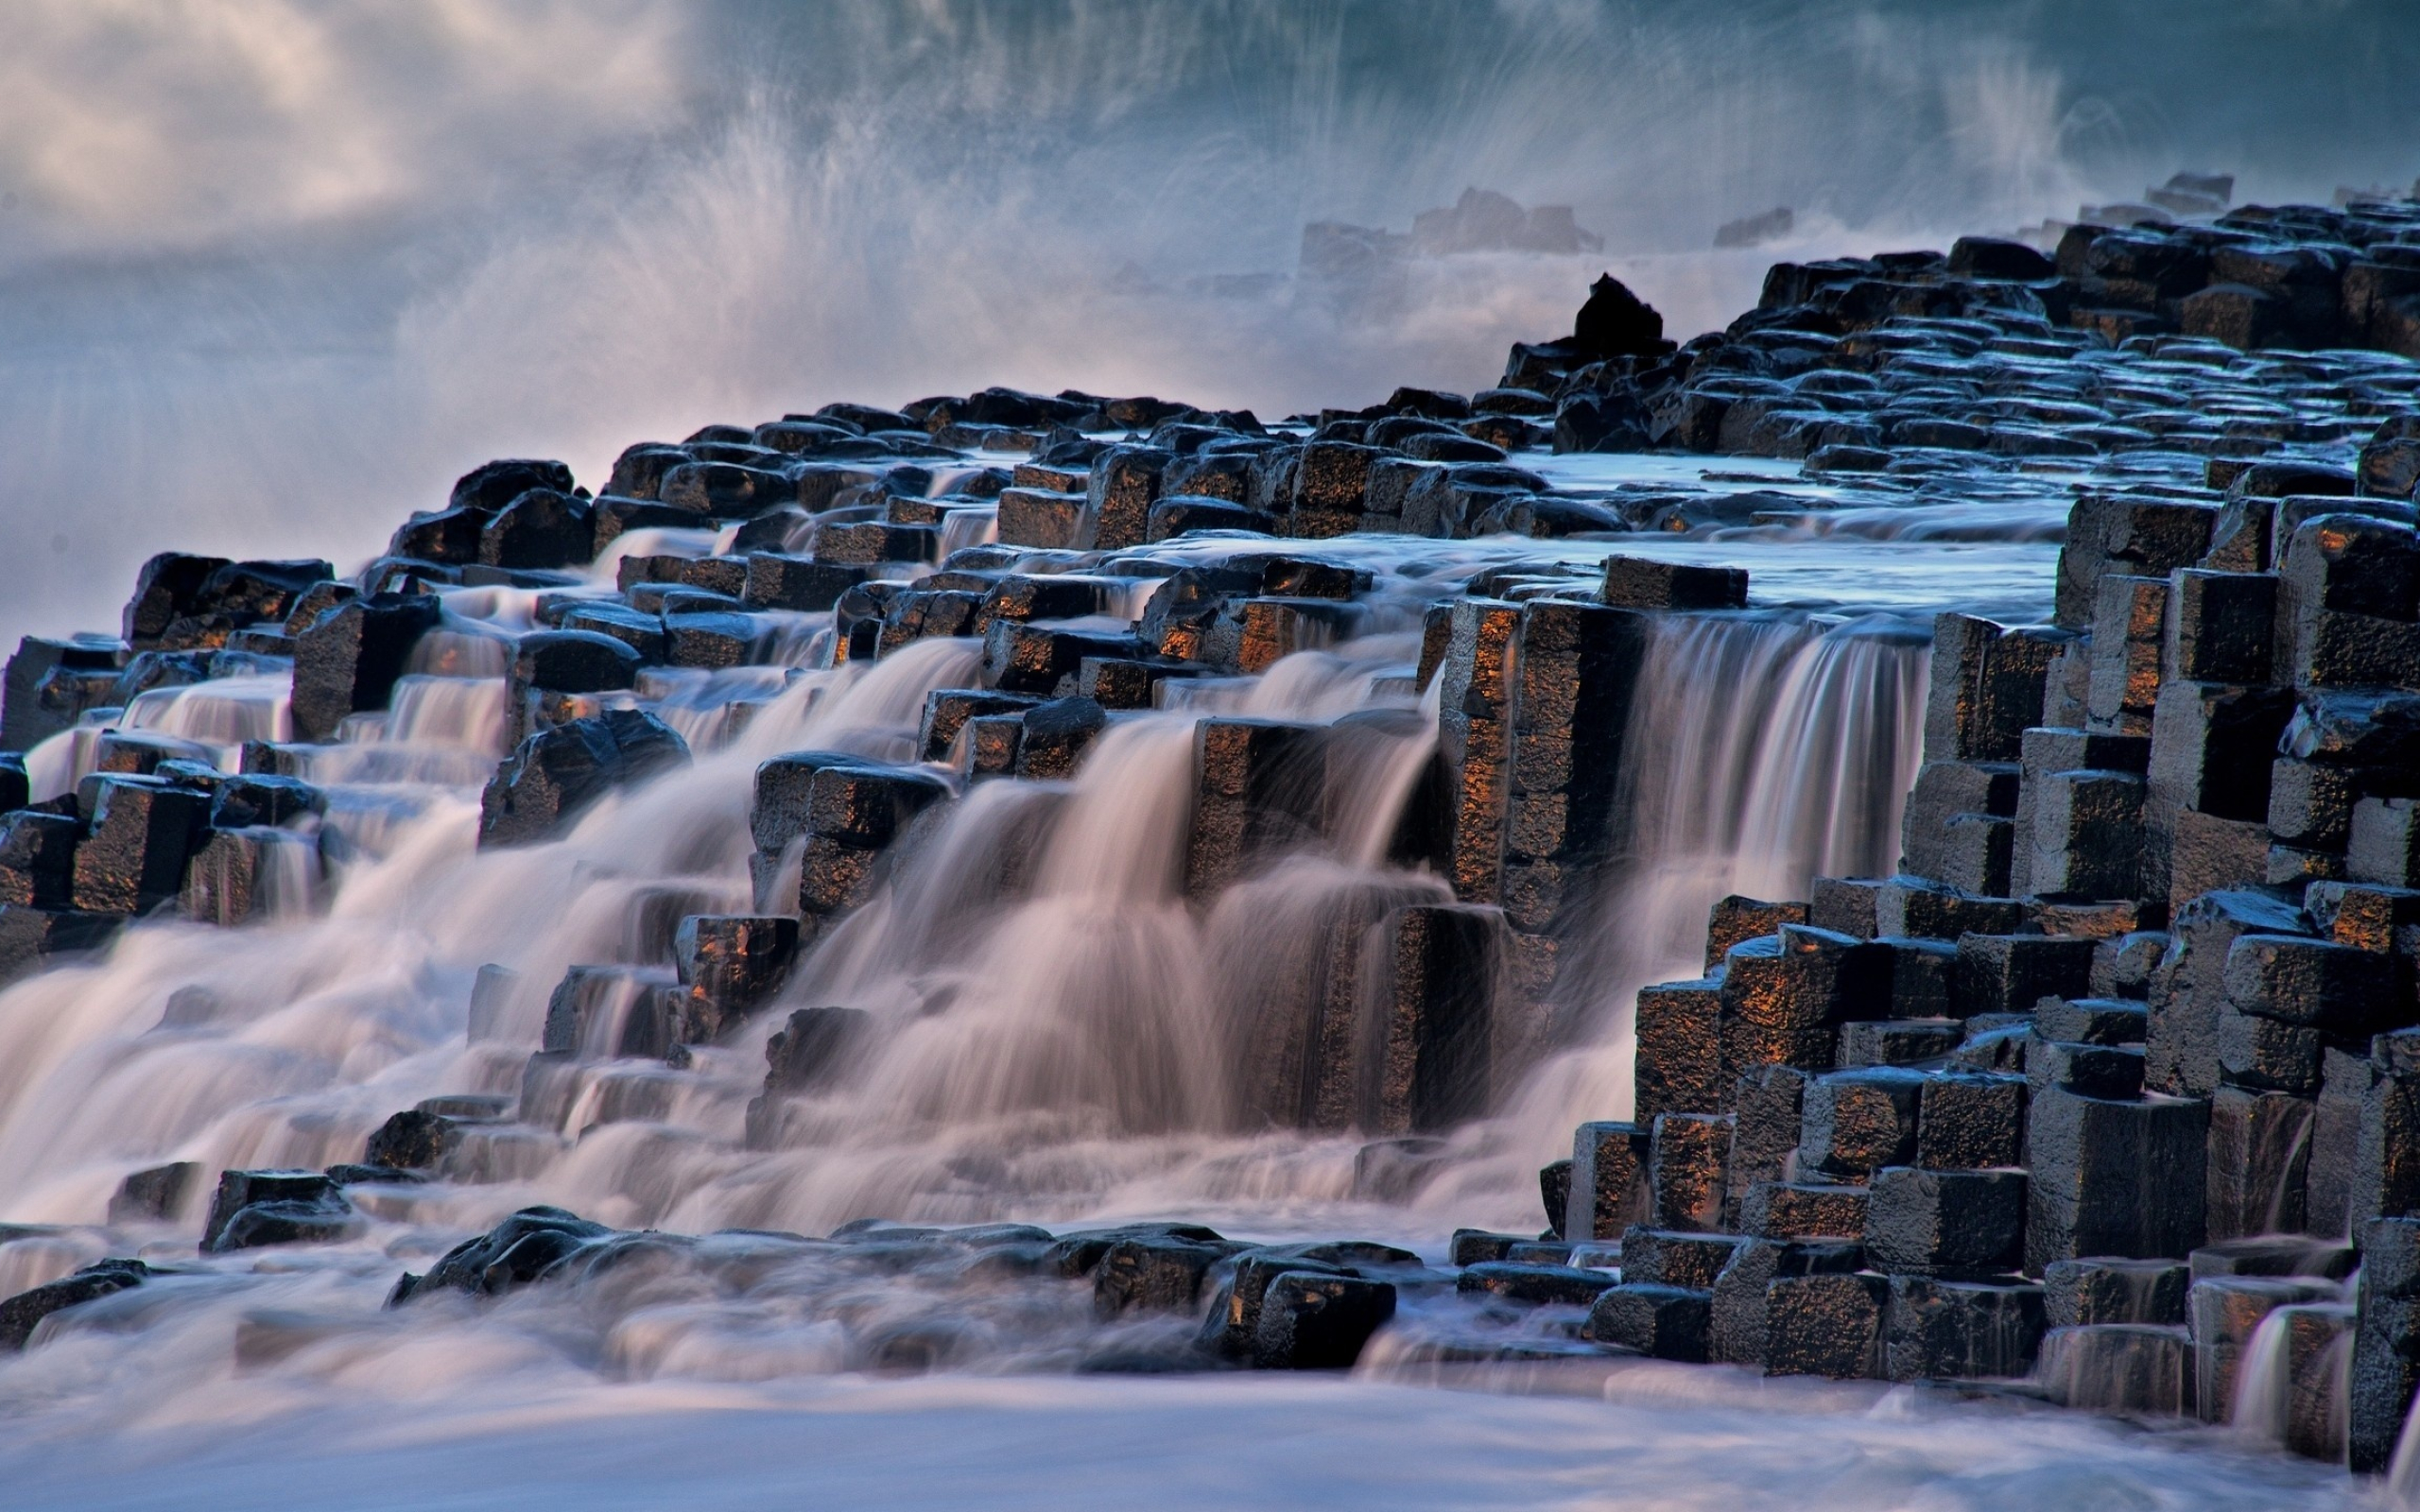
1055,1034
433,1431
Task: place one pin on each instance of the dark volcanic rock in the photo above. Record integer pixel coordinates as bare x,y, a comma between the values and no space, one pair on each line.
255,1208
525,1247
541,528
574,660
1056,736
153,1194
1313,1321
31,937
813,1048
1666,1322
37,857
350,659
1616,323
2135,975
413,1140
729,965
141,832
491,486
839,795
1154,1274
1234,1321
543,786
27,717
1515,1281
21,1313
168,589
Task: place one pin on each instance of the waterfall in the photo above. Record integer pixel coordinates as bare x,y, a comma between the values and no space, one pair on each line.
1045,1002
215,719
2117,1367
2264,1380
2403,1470
329,1021
1048,1029
1054,1027
1085,1000
1763,751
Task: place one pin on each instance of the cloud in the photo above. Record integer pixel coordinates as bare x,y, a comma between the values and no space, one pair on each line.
143,125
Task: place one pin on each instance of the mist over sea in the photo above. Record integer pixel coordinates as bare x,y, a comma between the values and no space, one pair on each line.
273,273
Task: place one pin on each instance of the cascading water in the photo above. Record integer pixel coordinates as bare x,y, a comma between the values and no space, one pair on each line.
1055,1031
1042,993
1763,751
2263,1383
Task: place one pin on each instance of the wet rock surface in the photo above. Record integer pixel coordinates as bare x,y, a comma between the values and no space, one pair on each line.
2125,993
542,787
252,1208
23,1313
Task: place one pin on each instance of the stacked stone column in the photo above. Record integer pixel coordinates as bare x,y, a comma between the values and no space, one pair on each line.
2123,1062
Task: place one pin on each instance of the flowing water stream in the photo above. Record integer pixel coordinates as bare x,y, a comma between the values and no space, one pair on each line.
1057,1036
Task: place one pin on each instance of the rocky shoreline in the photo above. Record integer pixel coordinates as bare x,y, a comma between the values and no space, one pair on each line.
2106,1096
